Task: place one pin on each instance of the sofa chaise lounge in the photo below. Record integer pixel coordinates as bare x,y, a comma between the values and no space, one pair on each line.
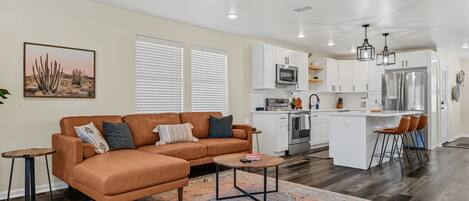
147,170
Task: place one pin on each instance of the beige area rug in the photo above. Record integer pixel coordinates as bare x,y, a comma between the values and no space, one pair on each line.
203,189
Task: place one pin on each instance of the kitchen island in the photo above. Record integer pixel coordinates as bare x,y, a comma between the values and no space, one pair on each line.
352,137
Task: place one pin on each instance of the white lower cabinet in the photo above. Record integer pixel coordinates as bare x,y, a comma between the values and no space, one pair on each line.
319,129
274,137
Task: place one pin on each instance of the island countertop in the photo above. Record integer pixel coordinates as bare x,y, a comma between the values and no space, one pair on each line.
376,114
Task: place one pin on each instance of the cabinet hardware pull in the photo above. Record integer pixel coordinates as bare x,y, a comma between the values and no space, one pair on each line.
367,87
402,63
340,88
406,64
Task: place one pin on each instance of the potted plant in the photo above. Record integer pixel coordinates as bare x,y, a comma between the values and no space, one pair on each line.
3,93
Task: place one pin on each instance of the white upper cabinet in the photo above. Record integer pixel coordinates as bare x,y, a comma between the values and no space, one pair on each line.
282,56
300,59
263,67
412,59
346,75
331,68
264,59
374,77
360,76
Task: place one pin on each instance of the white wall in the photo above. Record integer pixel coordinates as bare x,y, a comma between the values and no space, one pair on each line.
464,129
29,122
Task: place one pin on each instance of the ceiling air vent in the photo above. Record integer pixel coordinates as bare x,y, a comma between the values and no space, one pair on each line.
302,9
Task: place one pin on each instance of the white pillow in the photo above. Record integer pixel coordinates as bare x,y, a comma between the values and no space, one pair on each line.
175,133
90,134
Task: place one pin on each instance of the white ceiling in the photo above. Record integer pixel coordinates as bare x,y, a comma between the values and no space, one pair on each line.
411,23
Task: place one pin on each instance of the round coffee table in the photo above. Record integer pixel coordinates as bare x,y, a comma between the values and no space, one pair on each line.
29,183
234,161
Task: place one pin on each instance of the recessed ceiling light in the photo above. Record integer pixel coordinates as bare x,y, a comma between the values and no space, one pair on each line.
330,43
465,46
232,16
301,35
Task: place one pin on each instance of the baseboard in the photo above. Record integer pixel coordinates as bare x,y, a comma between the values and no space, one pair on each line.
39,189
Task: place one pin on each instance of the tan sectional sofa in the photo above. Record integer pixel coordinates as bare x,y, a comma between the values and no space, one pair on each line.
147,170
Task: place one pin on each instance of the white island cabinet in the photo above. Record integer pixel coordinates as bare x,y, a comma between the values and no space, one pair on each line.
352,137
274,127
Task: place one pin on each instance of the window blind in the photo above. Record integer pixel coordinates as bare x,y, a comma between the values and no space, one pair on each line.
159,75
209,82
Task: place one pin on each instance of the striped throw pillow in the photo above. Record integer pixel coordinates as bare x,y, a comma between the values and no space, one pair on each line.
175,133
90,134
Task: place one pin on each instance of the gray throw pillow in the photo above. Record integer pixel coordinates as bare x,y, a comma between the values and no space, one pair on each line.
220,127
118,136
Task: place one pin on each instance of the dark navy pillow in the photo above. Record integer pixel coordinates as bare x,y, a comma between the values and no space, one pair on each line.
118,136
220,127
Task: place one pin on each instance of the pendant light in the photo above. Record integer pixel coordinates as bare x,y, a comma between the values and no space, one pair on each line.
366,52
386,58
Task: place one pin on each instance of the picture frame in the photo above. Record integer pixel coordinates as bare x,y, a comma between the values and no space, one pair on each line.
51,71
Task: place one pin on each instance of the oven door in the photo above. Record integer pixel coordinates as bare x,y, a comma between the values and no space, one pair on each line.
299,127
287,74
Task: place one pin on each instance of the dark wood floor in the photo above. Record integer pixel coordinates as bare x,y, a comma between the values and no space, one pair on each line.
444,178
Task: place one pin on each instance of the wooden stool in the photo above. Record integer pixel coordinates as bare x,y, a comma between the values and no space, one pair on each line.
29,179
396,133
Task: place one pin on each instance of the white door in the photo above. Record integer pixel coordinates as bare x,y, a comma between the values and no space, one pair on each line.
443,114
360,76
346,75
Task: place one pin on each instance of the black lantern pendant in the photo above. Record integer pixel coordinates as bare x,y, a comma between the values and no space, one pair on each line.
366,52
386,58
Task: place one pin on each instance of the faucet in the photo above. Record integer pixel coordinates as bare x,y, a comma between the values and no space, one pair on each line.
317,101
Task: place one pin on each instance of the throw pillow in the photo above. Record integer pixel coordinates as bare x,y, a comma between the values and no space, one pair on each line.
175,133
220,127
90,134
118,136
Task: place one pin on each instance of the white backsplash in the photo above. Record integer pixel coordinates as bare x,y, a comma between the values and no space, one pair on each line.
328,100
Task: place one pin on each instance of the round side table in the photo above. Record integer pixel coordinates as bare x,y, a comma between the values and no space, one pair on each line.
257,133
29,179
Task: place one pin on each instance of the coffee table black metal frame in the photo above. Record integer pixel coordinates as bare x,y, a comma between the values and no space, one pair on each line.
244,192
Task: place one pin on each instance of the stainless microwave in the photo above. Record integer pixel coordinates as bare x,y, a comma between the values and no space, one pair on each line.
286,75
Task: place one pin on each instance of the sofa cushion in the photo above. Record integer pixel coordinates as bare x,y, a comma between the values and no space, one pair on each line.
142,126
184,150
239,133
220,146
118,136
200,121
220,127
121,171
67,124
90,134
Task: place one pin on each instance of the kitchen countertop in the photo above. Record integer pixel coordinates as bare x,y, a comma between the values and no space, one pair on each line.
313,110
376,114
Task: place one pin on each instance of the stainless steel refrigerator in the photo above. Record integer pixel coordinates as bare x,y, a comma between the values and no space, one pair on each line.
405,91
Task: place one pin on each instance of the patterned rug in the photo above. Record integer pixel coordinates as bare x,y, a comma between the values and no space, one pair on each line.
203,189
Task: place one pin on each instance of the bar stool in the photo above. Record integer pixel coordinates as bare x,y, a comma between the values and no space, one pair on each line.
421,125
396,133
414,121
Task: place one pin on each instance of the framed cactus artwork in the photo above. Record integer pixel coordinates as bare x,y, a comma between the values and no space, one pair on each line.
61,72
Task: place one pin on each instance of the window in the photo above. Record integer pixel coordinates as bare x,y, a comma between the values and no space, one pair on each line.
159,75
209,84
